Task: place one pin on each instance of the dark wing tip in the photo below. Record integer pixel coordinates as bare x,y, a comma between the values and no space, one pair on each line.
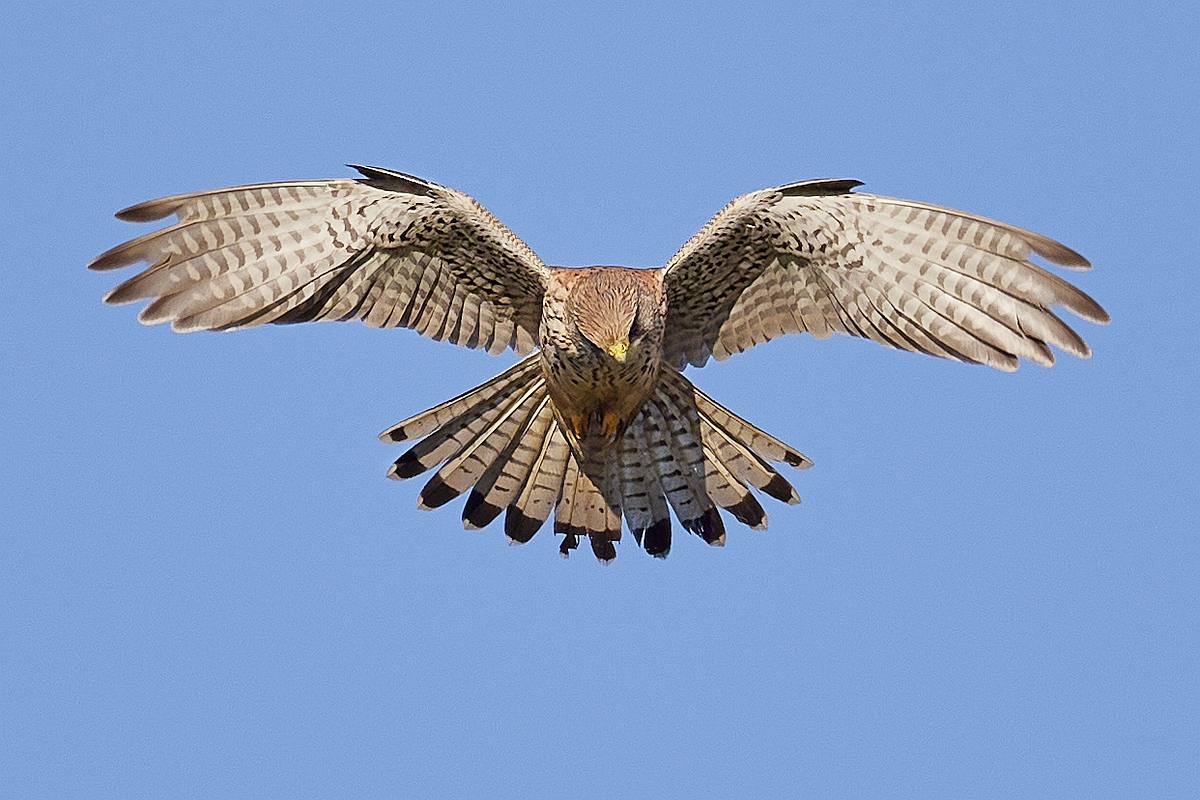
393,434
818,187
149,211
113,258
569,543
392,181
780,489
796,459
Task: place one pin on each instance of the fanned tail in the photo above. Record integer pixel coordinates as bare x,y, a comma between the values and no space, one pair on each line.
682,453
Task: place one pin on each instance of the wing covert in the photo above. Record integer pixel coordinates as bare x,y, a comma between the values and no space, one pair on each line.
389,249
816,257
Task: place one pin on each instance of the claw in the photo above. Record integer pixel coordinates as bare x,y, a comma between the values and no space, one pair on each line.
579,424
610,424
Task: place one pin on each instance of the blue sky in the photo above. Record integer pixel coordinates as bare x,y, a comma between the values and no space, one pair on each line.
208,588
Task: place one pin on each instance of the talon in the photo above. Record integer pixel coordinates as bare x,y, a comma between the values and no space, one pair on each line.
610,424
579,425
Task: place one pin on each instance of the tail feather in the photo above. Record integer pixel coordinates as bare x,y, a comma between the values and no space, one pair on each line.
686,440
731,494
759,441
463,470
642,499
466,404
504,479
457,435
585,510
611,495
682,453
745,463
726,489
679,459
541,491
566,505
657,538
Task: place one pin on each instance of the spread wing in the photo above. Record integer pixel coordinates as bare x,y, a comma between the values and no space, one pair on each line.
389,249
813,256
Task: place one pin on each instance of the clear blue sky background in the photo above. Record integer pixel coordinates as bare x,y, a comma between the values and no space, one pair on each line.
208,588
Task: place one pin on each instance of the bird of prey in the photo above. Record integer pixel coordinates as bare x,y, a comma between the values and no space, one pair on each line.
597,422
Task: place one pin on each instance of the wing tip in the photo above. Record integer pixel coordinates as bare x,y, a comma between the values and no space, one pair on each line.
148,211
393,181
1087,308
819,187
116,257
1055,252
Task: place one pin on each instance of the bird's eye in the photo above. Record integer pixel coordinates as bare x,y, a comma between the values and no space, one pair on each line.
586,340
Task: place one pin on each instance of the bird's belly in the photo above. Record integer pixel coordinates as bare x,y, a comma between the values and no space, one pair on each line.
595,399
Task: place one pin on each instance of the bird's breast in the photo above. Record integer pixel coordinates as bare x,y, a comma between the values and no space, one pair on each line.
595,395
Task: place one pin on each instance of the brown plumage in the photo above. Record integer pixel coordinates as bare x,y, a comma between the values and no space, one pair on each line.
599,424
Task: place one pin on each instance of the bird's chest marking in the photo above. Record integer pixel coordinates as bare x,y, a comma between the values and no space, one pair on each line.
596,396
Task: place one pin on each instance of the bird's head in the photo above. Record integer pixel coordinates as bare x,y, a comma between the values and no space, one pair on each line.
616,310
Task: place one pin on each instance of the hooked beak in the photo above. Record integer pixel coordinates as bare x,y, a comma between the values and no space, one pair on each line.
618,350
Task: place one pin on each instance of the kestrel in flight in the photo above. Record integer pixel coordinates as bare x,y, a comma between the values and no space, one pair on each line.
597,422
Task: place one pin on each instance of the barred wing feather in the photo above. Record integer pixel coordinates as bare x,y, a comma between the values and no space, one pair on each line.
389,249
816,257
